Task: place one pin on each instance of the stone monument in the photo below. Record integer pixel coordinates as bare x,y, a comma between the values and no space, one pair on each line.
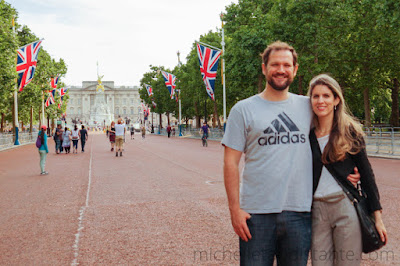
100,114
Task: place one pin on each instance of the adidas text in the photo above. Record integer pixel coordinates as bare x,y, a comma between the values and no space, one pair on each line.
286,138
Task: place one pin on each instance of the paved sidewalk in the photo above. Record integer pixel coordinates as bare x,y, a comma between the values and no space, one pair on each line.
162,203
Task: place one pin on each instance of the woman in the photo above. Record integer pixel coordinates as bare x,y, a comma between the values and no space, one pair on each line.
111,133
67,140
75,138
43,150
336,233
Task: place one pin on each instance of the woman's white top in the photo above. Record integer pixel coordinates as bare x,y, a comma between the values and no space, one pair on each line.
75,134
327,183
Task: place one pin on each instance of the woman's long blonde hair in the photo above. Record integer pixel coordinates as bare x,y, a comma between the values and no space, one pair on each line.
346,134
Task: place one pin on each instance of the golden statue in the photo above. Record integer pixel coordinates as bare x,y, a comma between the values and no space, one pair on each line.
99,82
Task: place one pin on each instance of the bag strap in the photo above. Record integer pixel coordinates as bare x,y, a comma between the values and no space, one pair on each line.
314,140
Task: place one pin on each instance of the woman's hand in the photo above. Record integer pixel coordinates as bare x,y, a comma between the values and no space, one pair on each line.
380,226
354,178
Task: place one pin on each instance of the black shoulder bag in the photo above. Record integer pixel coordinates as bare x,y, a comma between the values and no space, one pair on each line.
371,240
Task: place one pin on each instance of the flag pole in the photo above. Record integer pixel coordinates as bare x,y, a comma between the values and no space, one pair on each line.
16,123
179,99
223,70
205,44
43,122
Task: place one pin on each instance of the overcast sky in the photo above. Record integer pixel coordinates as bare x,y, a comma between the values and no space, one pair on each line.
124,36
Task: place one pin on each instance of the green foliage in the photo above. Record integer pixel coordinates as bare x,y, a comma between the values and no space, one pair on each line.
47,67
355,41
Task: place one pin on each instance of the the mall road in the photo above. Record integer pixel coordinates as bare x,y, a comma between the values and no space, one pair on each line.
162,203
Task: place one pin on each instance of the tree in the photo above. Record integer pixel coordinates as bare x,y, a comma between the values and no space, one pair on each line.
8,46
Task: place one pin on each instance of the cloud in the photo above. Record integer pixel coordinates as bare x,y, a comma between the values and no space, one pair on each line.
125,37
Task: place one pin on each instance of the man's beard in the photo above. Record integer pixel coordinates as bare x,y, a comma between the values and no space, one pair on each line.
277,87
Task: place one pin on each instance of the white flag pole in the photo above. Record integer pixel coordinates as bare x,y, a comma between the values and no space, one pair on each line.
223,71
16,122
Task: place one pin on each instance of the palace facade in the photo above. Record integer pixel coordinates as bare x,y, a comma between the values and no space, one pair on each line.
115,101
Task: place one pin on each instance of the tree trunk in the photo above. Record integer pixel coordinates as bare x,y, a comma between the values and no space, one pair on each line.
394,117
2,122
168,118
31,121
160,122
40,119
196,110
367,108
216,116
48,125
301,85
260,83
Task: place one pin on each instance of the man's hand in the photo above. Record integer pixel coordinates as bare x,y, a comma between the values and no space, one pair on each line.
354,178
239,218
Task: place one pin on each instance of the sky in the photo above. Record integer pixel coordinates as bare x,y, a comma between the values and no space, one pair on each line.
125,37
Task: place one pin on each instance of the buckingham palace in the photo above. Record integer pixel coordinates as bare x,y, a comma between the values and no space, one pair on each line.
96,107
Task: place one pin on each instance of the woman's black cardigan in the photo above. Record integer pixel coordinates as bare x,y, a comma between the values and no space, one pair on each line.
342,169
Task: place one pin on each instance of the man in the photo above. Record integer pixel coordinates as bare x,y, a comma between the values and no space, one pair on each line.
204,130
132,132
272,216
119,136
83,134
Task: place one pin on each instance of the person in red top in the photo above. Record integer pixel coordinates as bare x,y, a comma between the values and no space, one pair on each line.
169,130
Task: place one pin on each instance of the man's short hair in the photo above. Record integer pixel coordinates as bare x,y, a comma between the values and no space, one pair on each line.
277,46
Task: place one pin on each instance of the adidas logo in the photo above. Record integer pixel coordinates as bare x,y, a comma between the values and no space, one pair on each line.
282,131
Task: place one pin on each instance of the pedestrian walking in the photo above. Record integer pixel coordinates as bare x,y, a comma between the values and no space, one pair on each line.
58,138
143,132
43,150
83,135
67,140
132,132
169,131
337,143
75,139
119,136
111,133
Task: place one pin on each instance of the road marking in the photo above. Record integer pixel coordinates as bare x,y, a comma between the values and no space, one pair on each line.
75,246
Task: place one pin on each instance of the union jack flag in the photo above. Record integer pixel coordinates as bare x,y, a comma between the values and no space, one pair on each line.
50,99
26,63
154,103
170,83
208,59
62,92
54,82
149,89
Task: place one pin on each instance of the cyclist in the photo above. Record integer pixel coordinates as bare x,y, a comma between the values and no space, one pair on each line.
204,130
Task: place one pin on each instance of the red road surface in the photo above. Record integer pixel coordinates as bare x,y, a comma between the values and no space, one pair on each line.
163,202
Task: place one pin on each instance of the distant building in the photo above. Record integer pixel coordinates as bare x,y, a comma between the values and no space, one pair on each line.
115,101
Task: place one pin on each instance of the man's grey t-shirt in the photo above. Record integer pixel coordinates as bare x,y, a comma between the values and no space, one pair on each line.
277,175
